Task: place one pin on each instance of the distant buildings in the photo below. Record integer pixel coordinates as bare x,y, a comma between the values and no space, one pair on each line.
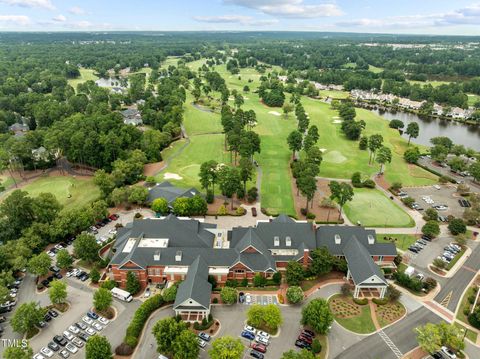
19,129
132,116
170,192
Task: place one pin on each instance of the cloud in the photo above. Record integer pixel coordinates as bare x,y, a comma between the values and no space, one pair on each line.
45,4
235,19
469,15
77,11
289,8
15,19
59,18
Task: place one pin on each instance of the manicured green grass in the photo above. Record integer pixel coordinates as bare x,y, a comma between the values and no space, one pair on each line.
361,324
403,241
198,121
334,94
433,83
82,191
342,157
85,75
455,259
473,99
464,304
373,209
375,69
471,335
187,164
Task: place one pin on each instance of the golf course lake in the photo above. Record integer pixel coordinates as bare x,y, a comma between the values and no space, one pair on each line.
459,133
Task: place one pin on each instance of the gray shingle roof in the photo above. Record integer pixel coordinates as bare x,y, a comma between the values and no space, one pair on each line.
170,192
284,227
360,262
326,238
195,286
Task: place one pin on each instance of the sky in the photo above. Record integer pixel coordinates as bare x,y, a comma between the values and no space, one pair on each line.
437,17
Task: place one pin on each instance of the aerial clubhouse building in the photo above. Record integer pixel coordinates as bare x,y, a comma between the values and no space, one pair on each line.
166,249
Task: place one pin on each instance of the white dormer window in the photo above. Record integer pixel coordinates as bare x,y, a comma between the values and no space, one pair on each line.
371,239
276,241
338,239
288,241
156,256
178,256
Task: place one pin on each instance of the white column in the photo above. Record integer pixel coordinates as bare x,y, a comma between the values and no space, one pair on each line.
357,291
382,292
348,274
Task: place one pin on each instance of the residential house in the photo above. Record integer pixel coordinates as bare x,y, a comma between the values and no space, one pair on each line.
19,129
170,192
132,116
164,249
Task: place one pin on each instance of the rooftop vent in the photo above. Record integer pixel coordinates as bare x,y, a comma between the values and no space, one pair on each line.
288,241
178,256
156,256
371,239
338,239
276,241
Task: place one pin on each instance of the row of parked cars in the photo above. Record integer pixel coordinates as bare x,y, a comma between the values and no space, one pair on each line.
78,273
74,337
261,340
464,203
305,339
450,252
418,246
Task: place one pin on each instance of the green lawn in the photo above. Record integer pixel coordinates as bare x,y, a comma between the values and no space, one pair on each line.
334,94
82,191
342,157
375,69
403,241
372,208
85,75
197,121
464,304
472,99
470,333
455,259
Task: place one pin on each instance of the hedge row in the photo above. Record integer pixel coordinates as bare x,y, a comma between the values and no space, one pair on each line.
450,179
140,318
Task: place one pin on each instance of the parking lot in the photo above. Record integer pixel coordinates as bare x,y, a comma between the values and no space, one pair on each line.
446,195
263,299
426,256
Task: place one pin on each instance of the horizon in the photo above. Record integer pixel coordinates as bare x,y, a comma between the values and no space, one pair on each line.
429,17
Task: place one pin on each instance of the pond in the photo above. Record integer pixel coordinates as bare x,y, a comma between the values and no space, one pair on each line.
459,133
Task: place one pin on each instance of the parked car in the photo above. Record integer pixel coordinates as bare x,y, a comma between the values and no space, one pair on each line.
97,327
78,342
87,320
103,320
448,352
53,313
201,343
81,325
64,353
302,345
46,352
38,356
264,334
84,277
305,338
427,238
204,336
259,347
90,331
147,293
92,315
83,336
308,332
248,299
42,324
71,348
247,335
73,329
53,346
47,317
250,329
68,335
60,340
58,276
261,340
255,354
254,212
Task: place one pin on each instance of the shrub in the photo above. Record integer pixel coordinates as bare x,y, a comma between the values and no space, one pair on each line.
429,283
295,294
357,180
95,275
396,186
240,211
259,280
369,183
310,215
363,143
228,295
231,283
363,301
431,229
457,226
215,300
240,193
316,346
252,194
437,262
139,319
393,294
471,299
108,284
408,201
222,211
407,282
210,197
380,301
277,278
169,294
327,203
466,310
444,179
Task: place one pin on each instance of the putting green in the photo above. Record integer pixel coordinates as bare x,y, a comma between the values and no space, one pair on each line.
334,157
70,192
372,208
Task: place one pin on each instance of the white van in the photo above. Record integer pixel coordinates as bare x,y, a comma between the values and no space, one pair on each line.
121,294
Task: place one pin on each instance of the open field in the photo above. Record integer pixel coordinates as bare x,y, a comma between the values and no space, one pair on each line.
334,94
70,192
373,209
85,75
375,69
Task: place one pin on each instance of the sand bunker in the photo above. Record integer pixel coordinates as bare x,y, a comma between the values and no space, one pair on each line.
323,149
274,113
336,121
174,176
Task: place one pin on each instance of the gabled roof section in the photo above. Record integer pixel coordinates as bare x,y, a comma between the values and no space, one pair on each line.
170,192
360,262
283,218
251,240
195,286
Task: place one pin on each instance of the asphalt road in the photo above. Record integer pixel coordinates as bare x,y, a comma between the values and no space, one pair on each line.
401,334
458,283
